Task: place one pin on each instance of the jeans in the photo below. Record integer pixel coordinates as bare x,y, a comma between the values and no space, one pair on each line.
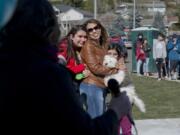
95,99
139,65
146,65
160,67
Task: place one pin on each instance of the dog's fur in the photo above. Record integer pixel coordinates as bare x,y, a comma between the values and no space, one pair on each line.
118,80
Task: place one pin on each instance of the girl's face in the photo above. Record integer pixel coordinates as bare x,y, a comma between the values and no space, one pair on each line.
94,31
160,38
145,41
113,53
79,38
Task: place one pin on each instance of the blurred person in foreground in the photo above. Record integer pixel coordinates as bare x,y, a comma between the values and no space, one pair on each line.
32,81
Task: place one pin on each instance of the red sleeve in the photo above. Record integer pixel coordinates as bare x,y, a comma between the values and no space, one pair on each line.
75,68
137,53
140,55
62,48
71,64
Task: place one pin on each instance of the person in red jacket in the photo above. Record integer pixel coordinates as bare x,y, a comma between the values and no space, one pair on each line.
69,53
140,54
69,48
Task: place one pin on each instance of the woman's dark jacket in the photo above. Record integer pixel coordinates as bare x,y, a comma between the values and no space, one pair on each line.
38,92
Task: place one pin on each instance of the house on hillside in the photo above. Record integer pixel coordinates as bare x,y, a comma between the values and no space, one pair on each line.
69,16
156,7
148,7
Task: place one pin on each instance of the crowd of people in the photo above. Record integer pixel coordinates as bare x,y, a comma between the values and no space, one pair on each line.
165,53
82,51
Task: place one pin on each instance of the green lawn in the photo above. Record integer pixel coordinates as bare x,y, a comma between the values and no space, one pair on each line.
162,98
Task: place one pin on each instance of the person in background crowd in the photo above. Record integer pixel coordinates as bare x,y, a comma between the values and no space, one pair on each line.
167,40
140,54
92,54
147,50
159,55
139,41
178,40
69,53
33,82
173,48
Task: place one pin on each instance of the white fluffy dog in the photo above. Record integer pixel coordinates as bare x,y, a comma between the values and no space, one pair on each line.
129,88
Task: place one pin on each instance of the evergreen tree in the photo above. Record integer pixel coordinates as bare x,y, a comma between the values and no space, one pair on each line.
105,5
123,22
158,22
117,27
138,19
178,13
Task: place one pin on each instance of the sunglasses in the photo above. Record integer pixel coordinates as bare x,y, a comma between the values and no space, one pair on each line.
95,28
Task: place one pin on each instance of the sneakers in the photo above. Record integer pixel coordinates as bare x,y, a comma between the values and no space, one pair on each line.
165,77
146,74
174,76
159,79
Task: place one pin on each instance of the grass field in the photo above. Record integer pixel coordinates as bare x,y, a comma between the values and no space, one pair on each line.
162,98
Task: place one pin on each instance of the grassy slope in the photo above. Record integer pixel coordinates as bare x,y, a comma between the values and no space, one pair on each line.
162,98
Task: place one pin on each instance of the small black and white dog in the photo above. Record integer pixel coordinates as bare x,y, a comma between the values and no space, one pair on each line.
115,83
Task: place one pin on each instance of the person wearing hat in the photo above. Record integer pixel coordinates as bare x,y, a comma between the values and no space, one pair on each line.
173,49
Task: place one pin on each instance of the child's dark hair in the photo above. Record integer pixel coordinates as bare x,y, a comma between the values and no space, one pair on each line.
121,49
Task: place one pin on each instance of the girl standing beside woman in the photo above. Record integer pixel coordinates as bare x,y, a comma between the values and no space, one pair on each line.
92,54
69,53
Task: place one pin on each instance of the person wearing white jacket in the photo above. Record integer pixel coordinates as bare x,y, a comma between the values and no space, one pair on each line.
159,55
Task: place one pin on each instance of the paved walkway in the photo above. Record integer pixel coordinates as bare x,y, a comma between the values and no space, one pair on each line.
158,126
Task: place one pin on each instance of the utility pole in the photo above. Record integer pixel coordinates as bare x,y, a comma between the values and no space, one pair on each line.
134,15
95,9
153,10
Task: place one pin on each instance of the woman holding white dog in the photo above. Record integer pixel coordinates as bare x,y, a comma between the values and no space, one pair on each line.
92,55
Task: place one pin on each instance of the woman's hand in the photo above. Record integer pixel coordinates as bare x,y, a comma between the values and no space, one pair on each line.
121,65
86,73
